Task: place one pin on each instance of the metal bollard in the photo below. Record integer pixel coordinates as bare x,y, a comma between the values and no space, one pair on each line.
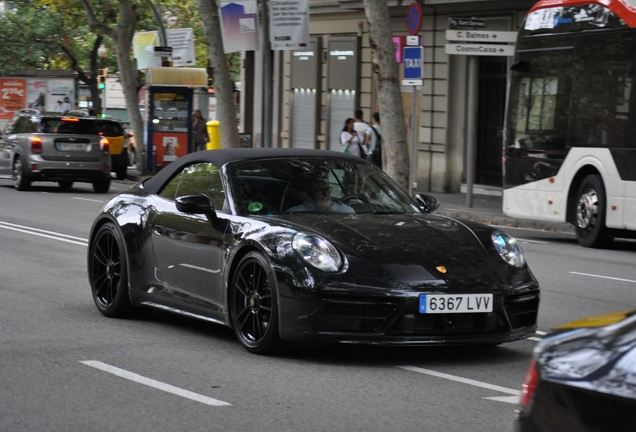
214,134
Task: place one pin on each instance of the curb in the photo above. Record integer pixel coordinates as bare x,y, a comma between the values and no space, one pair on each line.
504,221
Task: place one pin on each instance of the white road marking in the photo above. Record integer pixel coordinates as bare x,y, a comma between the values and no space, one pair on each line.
506,399
88,199
535,339
468,381
154,384
541,333
604,277
43,233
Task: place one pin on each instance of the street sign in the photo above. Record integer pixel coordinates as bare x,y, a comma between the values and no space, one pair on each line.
466,22
413,66
480,50
414,18
159,51
413,41
481,36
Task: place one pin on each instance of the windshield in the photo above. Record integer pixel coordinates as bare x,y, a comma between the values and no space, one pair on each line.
315,185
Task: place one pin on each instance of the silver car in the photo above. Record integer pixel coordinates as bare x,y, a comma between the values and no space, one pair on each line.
54,147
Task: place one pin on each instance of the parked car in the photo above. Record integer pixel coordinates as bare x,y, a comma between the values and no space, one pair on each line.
306,246
37,146
119,142
583,378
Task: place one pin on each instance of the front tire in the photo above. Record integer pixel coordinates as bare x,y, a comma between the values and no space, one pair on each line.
254,306
20,179
590,209
108,272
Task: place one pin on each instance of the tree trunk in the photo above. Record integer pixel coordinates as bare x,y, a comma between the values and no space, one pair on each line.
122,35
395,155
226,111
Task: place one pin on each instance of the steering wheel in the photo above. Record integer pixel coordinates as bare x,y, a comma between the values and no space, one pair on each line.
348,198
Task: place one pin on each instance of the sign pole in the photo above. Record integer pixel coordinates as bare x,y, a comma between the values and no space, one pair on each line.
413,138
471,128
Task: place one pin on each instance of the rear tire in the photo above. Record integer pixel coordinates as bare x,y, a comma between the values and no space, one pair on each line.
65,185
102,185
590,209
20,179
121,173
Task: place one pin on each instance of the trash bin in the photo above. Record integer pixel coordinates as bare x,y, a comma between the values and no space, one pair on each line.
214,134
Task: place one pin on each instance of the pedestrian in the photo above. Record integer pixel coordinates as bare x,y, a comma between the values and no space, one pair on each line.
200,130
360,126
373,141
59,107
351,140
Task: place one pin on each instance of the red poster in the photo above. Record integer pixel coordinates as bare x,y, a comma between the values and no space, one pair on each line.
170,146
13,96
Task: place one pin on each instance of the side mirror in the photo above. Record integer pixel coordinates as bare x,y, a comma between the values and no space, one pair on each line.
427,203
195,204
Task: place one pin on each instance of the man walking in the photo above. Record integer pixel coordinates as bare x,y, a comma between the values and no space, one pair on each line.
373,141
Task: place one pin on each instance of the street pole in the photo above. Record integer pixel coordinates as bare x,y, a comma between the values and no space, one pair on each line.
413,138
471,128
267,80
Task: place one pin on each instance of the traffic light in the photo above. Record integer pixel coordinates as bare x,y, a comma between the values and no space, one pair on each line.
101,78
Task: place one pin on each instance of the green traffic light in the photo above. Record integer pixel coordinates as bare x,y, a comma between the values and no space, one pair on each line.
102,86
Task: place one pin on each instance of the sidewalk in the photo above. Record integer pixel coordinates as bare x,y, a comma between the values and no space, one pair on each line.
486,209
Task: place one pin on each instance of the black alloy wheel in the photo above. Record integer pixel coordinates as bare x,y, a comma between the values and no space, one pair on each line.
591,206
254,308
20,179
108,272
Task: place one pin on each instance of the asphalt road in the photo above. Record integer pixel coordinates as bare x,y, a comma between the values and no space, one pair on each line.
65,367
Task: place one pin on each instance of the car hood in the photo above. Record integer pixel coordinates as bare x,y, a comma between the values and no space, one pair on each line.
407,247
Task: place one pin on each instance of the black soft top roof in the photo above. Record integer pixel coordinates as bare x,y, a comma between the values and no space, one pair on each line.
222,156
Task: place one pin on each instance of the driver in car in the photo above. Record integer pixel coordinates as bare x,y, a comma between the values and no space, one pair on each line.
318,195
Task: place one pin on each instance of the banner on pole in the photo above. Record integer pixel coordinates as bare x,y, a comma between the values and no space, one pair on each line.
181,41
289,24
239,24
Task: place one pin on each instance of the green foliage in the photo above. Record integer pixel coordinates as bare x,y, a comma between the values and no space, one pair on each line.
55,35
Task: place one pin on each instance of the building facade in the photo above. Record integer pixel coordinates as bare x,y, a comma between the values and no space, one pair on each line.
317,88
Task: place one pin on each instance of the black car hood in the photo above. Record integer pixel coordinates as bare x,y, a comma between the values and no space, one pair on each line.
403,246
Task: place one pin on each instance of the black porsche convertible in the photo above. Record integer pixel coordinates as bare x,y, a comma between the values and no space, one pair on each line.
287,245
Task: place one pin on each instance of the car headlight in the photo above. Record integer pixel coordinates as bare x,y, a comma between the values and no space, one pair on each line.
508,249
317,252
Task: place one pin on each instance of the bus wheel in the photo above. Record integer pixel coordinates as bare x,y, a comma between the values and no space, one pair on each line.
591,205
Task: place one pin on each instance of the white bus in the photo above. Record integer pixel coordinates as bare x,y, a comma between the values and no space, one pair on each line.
570,137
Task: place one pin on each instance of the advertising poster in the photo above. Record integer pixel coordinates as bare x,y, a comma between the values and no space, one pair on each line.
36,94
170,146
181,41
239,24
289,24
13,96
60,96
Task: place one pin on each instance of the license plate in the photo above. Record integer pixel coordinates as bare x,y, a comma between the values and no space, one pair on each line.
72,146
455,303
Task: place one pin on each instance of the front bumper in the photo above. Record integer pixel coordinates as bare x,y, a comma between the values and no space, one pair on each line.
395,320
